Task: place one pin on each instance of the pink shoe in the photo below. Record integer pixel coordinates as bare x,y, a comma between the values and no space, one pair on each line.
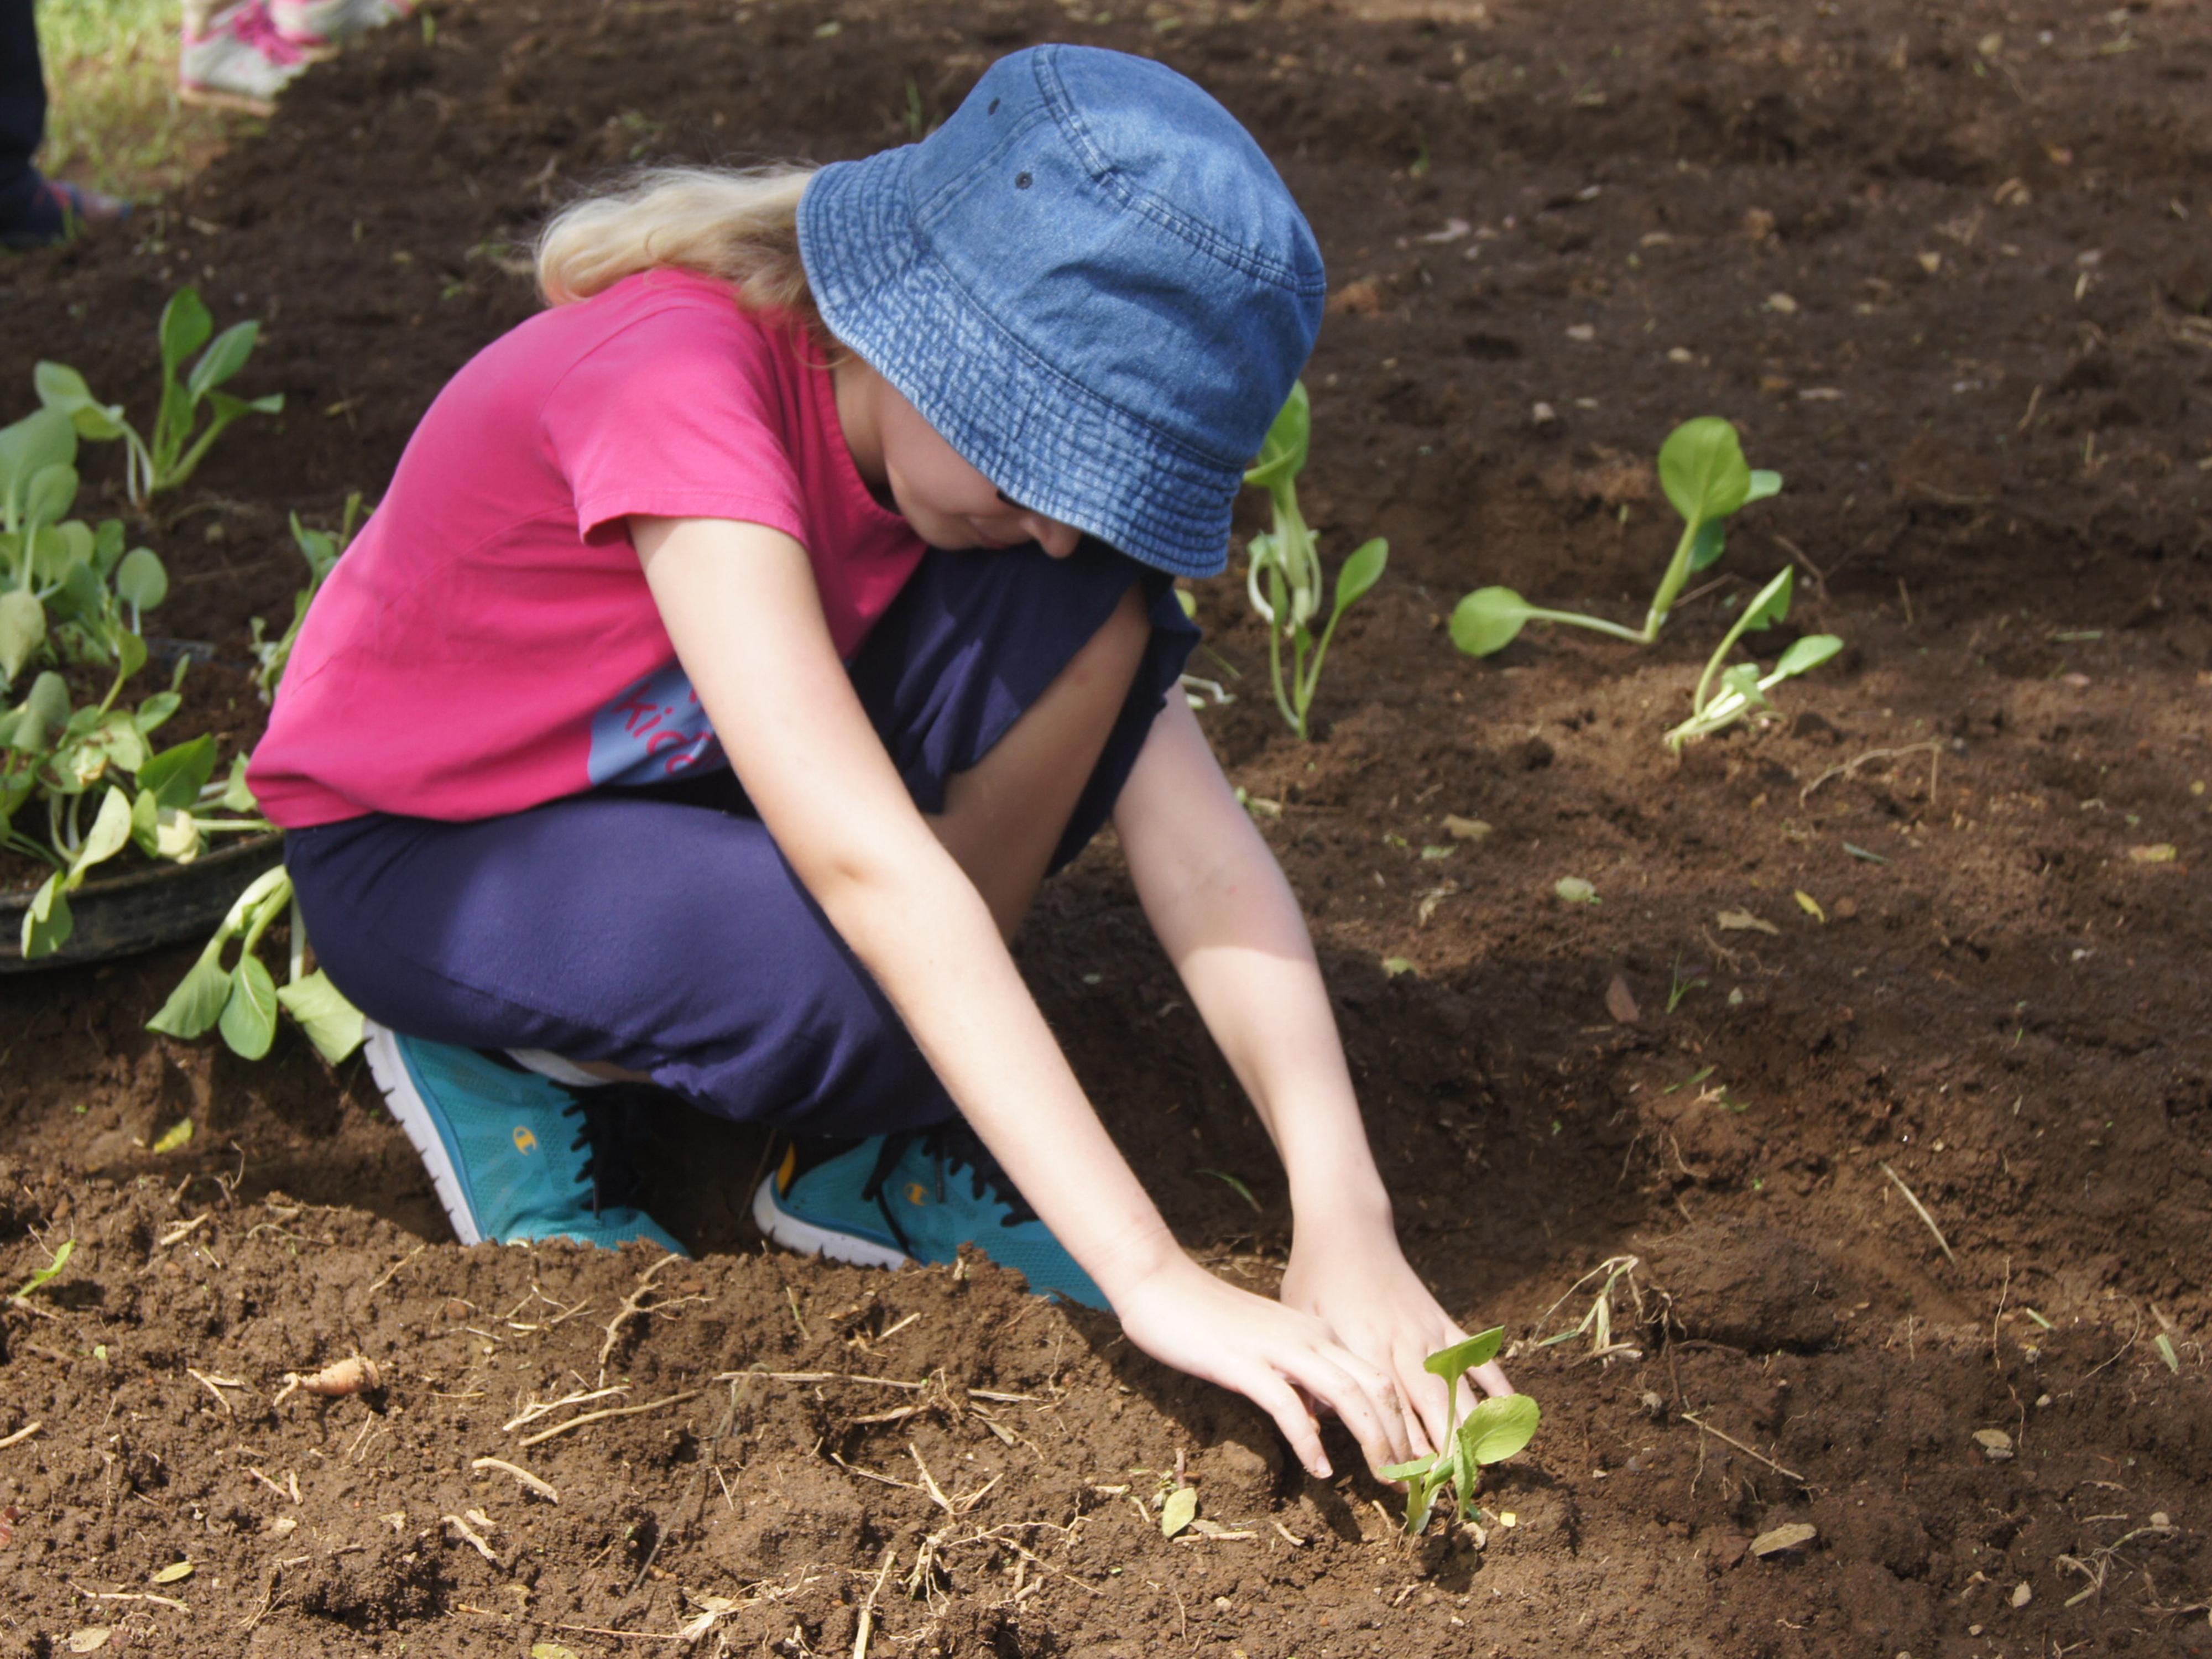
234,58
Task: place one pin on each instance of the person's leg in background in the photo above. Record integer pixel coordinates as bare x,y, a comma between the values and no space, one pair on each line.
34,211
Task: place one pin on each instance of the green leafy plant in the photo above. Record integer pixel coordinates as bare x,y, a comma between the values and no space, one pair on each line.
1497,1428
1725,695
1706,480
72,599
1284,580
242,1001
178,441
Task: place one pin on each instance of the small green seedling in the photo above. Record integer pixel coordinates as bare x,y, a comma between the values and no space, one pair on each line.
1702,472
1743,687
46,1275
175,449
1285,578
1497,1428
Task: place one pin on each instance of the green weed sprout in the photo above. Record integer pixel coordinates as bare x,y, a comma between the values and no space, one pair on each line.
1743,687
1706,479
42,1277
1497,1428
1285,578
176,448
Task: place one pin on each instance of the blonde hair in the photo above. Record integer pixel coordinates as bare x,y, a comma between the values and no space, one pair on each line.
737,224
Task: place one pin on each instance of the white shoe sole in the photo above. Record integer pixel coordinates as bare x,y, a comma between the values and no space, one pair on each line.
389,1068
788,1231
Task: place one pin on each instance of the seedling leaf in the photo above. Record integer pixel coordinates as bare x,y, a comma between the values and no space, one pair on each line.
175,776
46,1275
1772,604
1283,453
1454,1362
23,631
185,326
249,1014
1764,483
2164,1344
197,1003
223,359
1707,546
1419,1466
1702,469
1221,1176
1179,1511
1361,572
1498,1427
139,579
1809,653
176,1134
1488,620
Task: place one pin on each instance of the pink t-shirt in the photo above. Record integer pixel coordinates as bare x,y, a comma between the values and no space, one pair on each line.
489,642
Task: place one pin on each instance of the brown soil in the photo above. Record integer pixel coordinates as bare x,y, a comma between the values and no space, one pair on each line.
1988,397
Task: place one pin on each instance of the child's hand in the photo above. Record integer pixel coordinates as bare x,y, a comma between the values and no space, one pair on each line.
1274,1356
1375,1306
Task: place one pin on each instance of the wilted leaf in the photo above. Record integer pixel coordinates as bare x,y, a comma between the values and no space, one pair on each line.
1460,829
90,1639
551,1650
1995,1441
1742,921
1395,966
1810,905
1620,1002
174,1571
1575,891
2022,1593
1784,1538
2165,852
1179,1511
2164,1344
176,1134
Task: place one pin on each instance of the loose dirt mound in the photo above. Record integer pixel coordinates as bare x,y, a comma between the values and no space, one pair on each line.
1948,272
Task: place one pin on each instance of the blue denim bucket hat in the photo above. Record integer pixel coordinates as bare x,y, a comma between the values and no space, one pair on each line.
1090,282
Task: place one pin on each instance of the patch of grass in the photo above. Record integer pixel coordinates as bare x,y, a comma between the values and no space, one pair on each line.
112,118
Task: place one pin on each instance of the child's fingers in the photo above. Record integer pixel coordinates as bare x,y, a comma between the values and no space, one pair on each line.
1362,1396
1492,1378
1273,1395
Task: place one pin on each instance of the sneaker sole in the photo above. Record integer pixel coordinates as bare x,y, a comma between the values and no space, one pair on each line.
389,1068
804,1237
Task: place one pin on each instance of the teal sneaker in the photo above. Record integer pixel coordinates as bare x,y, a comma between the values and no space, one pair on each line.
514,1155
915,1196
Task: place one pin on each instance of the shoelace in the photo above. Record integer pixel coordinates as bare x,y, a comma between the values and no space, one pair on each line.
608,1122
955,1146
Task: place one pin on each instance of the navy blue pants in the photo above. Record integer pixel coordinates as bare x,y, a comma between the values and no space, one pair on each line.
660,929
22,104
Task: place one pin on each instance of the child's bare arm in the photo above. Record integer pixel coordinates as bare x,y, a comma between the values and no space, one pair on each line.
1229,921
740,605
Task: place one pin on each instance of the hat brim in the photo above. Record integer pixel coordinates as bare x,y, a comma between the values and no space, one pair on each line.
1047,442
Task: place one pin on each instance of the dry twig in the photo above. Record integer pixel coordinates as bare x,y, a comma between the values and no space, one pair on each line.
529,1481
1705,1427
1920,1210
600,1416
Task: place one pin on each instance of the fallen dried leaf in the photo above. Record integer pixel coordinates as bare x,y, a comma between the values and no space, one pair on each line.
1620,1002
2021,1593
90,1639
1810,905
1742,921
172,1572
2165,852
1460,829
1784,1538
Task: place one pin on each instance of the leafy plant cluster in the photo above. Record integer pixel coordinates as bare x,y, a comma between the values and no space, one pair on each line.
1497,1428
1707,480
81,780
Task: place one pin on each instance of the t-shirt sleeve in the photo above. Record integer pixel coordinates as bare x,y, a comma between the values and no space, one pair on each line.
675,416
